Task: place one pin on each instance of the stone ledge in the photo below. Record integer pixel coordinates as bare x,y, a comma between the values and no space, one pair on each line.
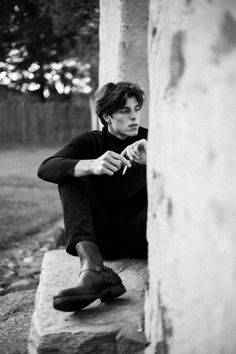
115,327
15,314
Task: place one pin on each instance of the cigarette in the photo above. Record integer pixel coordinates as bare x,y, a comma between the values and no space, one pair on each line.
124,170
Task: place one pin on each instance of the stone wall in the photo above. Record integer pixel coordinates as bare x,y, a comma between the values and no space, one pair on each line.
123,44
190,305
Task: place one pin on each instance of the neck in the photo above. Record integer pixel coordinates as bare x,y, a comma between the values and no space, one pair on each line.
118,136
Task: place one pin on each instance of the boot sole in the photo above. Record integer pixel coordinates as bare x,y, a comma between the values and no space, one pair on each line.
78,302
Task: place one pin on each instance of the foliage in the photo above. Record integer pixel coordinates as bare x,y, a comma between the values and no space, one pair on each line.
46,43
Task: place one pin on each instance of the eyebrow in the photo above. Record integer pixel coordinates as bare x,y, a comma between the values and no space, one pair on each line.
137,105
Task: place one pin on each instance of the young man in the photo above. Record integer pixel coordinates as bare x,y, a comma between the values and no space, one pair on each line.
102,185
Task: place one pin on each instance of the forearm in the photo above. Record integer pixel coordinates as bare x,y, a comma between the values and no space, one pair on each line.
60,167
57,169
83,168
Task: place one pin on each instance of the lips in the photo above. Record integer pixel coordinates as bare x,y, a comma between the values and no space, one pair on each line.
133,125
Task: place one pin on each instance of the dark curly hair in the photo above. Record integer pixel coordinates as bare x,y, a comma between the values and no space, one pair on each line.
112,97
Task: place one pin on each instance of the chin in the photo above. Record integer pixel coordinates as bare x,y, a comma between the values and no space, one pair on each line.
133,133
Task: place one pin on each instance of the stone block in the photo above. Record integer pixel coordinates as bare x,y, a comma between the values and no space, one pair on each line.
115,327
15,314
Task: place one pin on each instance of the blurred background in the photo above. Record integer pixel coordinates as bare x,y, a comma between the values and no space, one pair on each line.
48,73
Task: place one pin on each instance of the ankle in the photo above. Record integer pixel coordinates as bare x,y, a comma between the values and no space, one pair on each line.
84,265
90,256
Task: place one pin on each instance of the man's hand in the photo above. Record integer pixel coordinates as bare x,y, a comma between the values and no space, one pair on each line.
108,163
136,152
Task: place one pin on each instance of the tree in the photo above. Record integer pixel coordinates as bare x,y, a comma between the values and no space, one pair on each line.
48,46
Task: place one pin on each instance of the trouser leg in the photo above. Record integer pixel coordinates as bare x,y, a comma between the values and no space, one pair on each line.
137,241
84,218
77,215
131,234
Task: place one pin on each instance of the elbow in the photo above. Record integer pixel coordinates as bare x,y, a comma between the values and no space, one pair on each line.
41,172
46,173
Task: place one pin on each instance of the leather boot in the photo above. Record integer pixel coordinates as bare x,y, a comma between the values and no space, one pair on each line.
95,281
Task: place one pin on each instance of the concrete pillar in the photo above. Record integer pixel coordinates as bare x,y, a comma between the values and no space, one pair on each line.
190,306
123,44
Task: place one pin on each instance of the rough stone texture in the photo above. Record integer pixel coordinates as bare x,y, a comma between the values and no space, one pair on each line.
116,327
123,44
15,316
190,305
20,264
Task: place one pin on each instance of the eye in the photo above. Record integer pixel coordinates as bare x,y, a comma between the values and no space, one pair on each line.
137,108
124,110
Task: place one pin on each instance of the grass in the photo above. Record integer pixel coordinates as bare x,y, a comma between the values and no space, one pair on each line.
28,205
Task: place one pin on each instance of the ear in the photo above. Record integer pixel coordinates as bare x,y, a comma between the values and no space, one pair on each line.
107,118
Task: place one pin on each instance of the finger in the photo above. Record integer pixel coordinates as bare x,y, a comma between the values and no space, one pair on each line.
130,153
141,143
123,160
108,172
123,152
111,167
135,151
135,148
115,162
114,158
120,157
115,154
135,157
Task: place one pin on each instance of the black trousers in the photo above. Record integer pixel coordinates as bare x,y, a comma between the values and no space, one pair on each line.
86,219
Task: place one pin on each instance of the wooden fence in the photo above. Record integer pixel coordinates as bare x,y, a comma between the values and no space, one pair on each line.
42,123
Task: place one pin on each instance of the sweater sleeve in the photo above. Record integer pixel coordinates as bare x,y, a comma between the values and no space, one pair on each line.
60,167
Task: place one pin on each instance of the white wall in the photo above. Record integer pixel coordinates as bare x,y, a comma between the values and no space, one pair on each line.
190,305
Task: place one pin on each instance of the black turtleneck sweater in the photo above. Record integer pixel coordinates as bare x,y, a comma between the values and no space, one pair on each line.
121,195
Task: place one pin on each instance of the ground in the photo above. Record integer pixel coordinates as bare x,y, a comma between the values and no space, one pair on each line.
28,204
29,207
29,213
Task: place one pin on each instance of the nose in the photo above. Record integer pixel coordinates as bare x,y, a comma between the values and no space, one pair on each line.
134,114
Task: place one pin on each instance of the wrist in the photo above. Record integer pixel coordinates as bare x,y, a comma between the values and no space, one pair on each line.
90,167
83,168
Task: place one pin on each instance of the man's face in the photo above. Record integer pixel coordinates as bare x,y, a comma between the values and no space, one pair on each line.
125,121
